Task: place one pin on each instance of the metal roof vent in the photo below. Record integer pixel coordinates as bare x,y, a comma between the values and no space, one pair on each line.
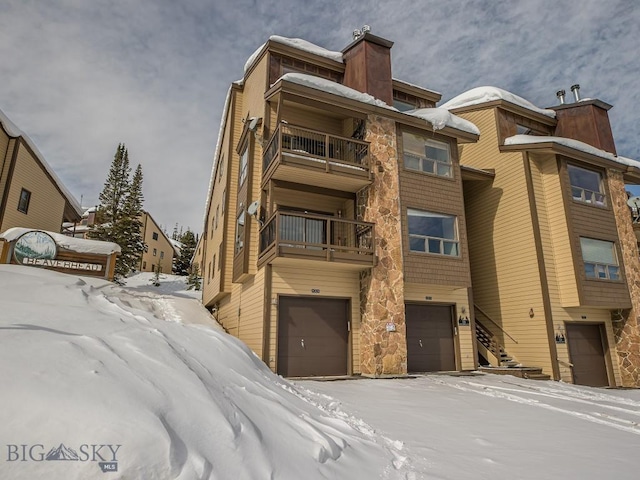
560,94
576,91
357,33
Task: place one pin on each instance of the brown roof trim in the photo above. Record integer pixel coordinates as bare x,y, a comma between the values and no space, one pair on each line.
510,107
272,46
472,173
415,90
558,149
286,87
592,101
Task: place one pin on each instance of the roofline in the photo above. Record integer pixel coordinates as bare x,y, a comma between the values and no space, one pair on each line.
473,173
510,107
71,204
592,101
416,90
284,86
272,46
559,149
157,225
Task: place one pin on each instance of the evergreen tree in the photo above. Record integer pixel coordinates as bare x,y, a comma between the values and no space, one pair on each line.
118,216
194,282
129,227
183,262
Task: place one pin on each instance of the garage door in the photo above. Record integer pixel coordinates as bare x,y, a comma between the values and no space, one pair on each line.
430,345
586,353
312,336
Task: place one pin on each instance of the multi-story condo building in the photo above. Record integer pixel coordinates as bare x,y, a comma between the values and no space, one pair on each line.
31,194
554,260
159,250
336,238
317,239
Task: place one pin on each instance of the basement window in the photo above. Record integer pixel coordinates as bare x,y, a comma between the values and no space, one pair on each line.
600,259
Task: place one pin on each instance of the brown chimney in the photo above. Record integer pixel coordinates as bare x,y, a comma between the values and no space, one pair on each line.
587,121
368,66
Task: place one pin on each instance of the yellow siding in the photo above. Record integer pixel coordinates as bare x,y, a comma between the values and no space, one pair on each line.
331,283
459,297
161,245
313,120
314,202
504,262
46,207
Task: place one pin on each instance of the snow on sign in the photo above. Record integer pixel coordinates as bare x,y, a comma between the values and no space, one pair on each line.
37,248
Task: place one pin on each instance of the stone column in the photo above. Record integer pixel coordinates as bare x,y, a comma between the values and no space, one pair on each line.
626,326
383,353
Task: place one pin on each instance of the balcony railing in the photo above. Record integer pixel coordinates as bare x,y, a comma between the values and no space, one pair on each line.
317,237
317,149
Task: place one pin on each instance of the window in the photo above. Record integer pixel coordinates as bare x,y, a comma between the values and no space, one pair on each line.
217,214
144,265
209,276
155,235
586,185
23,203
155,252
432,233
161,254
403,106
244,157
426,155
240,232
221,169
214,266
220,255
600,260
224,199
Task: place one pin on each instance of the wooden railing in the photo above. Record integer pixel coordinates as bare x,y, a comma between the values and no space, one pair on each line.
317,233
485,315
333,150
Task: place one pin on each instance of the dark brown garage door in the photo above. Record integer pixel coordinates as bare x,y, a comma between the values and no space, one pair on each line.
312,336
430,346
586,353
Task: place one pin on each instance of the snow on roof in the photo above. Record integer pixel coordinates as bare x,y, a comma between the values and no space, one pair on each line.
571,143
330,86
416,86
13,131
441,117
296,43
212,179
177,246
79,245
480,95
438,117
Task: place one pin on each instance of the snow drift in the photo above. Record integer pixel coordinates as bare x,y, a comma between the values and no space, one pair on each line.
86,364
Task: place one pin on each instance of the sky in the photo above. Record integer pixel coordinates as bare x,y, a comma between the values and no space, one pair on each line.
79,77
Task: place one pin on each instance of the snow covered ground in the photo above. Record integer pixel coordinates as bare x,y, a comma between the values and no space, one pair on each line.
97,377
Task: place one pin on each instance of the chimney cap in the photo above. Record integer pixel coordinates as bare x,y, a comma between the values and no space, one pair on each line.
367,35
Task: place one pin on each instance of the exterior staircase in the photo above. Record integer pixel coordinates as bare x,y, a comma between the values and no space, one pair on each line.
501,363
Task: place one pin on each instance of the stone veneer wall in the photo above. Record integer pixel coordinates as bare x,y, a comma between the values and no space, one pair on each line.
383,353
626,327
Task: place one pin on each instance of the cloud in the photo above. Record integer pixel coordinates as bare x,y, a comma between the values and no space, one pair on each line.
79,77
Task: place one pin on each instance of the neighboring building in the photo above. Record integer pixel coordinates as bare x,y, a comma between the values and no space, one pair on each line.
31,195
554,260
158,247
323,250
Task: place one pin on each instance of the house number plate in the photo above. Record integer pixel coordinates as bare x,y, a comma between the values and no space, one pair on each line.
315,290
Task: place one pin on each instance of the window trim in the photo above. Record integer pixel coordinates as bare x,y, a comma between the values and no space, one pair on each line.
582,200
436,163
26,202
239,240
243,168
442,240
601,267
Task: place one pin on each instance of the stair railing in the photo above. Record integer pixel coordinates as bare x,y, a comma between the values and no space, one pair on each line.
485,315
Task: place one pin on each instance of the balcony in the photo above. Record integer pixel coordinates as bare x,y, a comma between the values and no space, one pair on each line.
301,155
288,237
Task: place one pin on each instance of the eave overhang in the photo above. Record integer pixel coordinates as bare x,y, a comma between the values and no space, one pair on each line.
509,107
